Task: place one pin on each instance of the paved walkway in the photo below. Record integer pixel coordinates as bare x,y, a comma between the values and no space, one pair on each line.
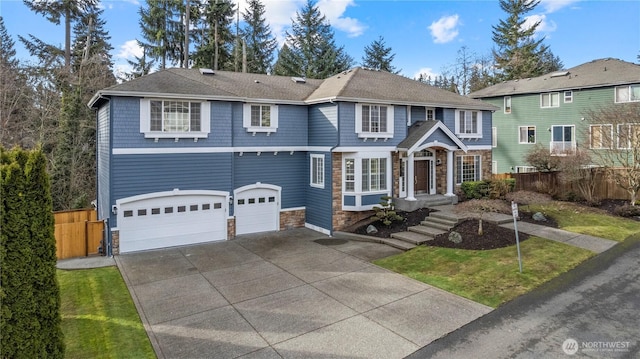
594,244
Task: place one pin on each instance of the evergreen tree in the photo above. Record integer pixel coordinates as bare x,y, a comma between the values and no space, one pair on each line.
379,57
312,51
15,95
214,50
156,21
140,67
518,54
30,298
71,10
91,41
260,43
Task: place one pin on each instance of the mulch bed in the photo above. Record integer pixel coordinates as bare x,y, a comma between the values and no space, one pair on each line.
493,236
411,219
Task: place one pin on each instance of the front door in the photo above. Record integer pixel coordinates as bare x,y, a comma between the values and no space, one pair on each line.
421,171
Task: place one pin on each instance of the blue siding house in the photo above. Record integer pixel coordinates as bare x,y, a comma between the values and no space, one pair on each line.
192,155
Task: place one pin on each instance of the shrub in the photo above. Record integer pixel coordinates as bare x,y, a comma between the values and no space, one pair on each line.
627,210
386,213
493,189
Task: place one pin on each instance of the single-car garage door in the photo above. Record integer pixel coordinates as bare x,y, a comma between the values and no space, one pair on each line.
173,218
257,208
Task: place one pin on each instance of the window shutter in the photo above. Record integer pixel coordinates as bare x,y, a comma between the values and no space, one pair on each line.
358,118
390,117
246,115
145,115
274,116
205,117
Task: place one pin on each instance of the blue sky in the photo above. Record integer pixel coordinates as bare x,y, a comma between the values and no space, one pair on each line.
425,35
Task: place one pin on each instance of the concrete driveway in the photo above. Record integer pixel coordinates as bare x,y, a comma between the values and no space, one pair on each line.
291,294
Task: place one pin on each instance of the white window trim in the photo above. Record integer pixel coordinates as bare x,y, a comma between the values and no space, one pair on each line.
535,136
615,93
525,169
550,94
568,99
145,121
505,105
357,192
477,134
494,137
494,167
627,145
375,135
314,181
600,145
476,158
573,140
246,119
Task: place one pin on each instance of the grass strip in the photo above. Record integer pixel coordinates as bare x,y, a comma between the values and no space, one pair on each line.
99,319
490,277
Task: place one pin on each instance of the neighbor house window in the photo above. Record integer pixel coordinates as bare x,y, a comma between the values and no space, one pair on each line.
507,104
468,123
260,118
317,171
601,136
374,121
174,118
525,169
562,139
467,168
527,134
549,99
630,93
628,136
568,96
374,174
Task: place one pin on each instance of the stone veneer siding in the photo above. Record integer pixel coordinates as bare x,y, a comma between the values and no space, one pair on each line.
292,219
231,228
115,242
342,219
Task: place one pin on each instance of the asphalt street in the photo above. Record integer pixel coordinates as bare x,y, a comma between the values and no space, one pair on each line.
592,311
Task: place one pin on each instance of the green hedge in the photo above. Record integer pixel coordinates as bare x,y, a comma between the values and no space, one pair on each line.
30,310
487,189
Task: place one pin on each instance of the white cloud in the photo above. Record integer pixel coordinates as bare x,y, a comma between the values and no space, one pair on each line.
426,72
334,11
555,5
129,50
545,26
445,29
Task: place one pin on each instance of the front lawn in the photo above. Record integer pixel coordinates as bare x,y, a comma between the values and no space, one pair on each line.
490,277
586,220
99,319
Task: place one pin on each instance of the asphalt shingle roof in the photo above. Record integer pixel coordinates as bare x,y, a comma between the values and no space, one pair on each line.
597,73
357,84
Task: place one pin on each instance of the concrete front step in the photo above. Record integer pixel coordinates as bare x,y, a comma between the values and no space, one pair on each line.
396,243
447,216
427,231
447,221
428,223
413,238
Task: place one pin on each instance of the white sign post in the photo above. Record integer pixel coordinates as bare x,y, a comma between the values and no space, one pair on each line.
514,210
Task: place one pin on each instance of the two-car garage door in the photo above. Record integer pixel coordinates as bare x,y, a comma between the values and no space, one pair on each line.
174,218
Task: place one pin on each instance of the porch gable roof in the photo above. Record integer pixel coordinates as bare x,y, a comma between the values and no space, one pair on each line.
420,132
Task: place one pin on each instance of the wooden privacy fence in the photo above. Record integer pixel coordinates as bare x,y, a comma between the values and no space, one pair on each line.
549,182
78,233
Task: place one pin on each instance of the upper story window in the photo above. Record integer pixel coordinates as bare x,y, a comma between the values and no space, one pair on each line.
507,104
260,118
430,114
174,118
374,121
317,171
468,123
630,93
568,96
600,136
527,134
551,99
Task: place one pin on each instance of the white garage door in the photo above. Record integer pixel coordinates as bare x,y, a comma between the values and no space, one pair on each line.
174,218
257,208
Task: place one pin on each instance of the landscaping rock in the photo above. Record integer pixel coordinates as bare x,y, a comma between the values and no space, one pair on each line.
371,229
455,237
539,217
